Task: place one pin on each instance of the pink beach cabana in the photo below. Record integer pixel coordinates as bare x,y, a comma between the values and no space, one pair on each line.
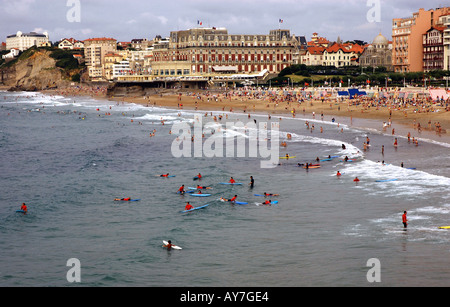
438,94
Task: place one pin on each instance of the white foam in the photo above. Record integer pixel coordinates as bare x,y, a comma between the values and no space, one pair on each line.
350,150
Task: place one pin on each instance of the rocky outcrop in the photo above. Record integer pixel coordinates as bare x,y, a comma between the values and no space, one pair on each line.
34,73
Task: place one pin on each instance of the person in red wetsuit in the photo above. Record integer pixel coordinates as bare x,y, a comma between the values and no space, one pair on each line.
169,245
231,200
164,175
181,190
24,208
232,180
404,220
188,206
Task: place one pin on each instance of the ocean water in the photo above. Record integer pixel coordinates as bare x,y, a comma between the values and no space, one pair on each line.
68,158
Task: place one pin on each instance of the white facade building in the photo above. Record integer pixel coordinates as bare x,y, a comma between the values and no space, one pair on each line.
12,54
23,41
121,69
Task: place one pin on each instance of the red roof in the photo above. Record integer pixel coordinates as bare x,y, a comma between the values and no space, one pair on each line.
100,39
316,50
346,48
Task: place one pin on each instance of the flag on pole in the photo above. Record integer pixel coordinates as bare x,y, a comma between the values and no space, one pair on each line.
199,22
280,21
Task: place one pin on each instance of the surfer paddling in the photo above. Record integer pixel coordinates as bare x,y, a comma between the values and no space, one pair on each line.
169,245
233,199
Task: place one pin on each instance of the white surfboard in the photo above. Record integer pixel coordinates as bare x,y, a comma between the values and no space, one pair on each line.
173,246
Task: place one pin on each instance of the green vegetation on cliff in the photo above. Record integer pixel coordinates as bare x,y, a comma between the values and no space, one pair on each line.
64,59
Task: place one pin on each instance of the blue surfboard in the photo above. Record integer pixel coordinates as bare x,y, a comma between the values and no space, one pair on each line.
198,208
240,203
186,192
272,203
386,180
200,195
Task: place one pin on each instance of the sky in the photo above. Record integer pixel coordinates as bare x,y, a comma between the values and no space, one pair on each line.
127,20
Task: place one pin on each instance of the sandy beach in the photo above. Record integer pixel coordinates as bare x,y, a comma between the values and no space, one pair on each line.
416,115
428,117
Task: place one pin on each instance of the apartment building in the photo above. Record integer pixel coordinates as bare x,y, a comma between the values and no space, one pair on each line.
313,56
445,22
342,55
203,51
433,49
407,38
95,50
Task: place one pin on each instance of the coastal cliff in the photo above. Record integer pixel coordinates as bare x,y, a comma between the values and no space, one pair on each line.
37,69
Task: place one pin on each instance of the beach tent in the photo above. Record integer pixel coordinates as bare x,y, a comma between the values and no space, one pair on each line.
438,94
355,92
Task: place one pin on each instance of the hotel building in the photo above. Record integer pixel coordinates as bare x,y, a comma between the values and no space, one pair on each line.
407,38
24,41
204,51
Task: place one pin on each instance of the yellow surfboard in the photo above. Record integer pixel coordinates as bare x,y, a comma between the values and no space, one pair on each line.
444,227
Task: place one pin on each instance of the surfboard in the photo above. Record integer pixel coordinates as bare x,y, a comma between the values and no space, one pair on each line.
347,161
325,160
173,246
128,200
444,227
186,192
227,183
272,203
290,157
20,211
235,202
309,167
240,203
196,178
386,180
200,195
192,188
259,195
198,208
